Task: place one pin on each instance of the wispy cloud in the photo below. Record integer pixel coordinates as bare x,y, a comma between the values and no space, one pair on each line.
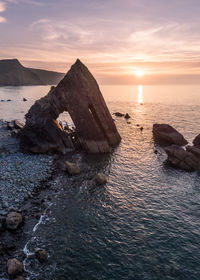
2,9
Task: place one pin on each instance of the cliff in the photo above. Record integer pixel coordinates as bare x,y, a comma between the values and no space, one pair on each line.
13,73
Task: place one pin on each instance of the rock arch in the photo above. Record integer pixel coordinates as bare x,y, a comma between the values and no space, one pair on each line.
77,93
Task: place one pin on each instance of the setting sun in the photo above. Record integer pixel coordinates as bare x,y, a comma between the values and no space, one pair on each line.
139,72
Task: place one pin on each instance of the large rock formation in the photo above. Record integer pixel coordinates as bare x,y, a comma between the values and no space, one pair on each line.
166,134
79,94
13,73
188,159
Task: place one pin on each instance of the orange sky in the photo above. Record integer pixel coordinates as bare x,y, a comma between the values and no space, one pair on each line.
113,38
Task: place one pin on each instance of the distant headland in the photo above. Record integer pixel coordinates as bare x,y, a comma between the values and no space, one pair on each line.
13,73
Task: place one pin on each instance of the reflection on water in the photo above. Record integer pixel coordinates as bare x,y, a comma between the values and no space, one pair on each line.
140,94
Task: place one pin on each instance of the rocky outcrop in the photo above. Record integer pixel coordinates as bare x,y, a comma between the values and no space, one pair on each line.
15,267
166,134
13,220
78,94
187,159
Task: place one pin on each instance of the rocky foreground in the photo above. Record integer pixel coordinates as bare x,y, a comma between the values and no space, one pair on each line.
28,182
186,158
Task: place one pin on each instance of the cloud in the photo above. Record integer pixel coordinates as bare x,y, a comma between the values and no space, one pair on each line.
2,9
2,19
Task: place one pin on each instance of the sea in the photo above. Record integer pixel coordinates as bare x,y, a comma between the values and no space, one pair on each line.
144,224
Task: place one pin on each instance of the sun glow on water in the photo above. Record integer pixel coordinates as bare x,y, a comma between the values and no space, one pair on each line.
140,95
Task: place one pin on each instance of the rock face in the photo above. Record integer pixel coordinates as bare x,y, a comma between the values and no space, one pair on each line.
78,94
164,133
13,220
15,267
188,159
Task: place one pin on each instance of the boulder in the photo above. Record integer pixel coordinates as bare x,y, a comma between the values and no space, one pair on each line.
79,95
15,267
100,179
188,159
13,220
72,168
166,134
41,255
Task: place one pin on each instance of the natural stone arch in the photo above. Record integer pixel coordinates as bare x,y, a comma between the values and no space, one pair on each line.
78,94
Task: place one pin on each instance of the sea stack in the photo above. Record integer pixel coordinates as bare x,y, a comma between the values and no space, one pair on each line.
77,93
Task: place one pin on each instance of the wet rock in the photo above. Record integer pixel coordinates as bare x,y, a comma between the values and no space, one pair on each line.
118,114
100,179
24,99
72,168
141,128
164,133
196,141
15,267
13,220
79,94
127,116
188,159
41,255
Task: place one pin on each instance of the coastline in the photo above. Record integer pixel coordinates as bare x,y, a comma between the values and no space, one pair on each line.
20,192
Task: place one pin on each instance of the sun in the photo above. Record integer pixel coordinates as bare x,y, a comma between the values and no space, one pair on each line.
139,73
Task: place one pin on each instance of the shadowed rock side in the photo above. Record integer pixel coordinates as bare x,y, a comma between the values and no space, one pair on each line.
166,134
188,159
78,94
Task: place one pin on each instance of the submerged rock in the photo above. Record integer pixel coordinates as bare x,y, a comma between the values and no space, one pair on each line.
13,220
164,133
101,179
72,168
41,255
79,94
118,114
188,159
127,116
15,267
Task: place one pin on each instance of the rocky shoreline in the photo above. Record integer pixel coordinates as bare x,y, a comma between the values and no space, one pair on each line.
28,183
24,180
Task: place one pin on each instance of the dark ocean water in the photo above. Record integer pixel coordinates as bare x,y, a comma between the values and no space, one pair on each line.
144,224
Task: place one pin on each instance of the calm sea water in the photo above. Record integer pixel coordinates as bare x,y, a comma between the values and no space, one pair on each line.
145,223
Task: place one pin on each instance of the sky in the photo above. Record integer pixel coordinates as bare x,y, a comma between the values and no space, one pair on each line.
121,41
